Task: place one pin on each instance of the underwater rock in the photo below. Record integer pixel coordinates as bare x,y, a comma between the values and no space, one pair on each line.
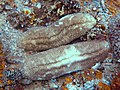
63,31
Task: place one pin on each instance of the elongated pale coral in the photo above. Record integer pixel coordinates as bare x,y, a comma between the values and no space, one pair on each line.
60,33
64,59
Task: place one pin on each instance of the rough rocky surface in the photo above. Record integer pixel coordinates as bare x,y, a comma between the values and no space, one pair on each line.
114,36
18,16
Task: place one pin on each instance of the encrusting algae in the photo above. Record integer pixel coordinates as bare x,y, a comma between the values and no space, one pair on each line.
113,6
2,65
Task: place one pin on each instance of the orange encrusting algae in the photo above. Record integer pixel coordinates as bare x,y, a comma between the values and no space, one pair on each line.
91,74
2,65
34,1
116,82
64,88
103,86
113,6
26,12
68,80
2,68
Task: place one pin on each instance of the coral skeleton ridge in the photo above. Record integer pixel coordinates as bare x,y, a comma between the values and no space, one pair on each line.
57,61
62,32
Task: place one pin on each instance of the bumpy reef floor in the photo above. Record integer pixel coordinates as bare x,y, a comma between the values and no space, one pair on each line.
18,16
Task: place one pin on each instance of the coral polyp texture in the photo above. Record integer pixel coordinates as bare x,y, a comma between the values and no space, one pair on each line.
64,59
63,31
59,44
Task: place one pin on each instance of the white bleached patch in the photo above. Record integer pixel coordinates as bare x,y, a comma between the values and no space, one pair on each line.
80,28
76,26
67,16
56,25
60,23
71,55
71,17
